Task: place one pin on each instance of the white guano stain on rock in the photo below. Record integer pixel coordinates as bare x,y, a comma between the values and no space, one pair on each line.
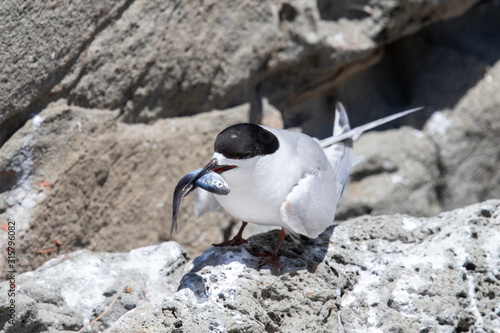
438,124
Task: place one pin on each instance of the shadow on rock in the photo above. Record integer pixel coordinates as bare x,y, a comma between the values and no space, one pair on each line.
295,254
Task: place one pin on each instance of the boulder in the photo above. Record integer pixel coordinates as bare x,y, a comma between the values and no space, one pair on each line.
385,273
421,70
398,173
382,274
42,41
154,59
467,138
463,110
67,292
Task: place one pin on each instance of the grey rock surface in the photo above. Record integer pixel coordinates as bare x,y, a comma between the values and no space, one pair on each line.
41,42
419,70
399,172
67,292
467,141
154,59
370,274
423,69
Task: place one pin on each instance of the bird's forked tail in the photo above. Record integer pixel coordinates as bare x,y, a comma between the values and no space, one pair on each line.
339,154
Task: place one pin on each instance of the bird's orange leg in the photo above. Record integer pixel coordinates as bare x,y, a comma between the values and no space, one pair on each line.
272,258
237,240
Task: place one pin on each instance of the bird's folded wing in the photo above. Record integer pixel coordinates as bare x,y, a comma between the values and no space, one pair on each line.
310,207
204,202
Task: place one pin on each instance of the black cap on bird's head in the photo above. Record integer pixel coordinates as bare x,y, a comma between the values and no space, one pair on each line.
243,141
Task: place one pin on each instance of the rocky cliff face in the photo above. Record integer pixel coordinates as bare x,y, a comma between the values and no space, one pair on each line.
381,274
104,106
155,59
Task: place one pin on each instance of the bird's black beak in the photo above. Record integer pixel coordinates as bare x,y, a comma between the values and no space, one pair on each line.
211,166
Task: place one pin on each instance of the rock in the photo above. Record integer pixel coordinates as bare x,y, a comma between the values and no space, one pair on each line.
421,70
154,59
69,291
271,116
399,173
42,42
77,176
467,138
381,274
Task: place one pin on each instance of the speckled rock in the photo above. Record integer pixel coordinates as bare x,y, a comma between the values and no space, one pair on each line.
370,274
67,292
463,105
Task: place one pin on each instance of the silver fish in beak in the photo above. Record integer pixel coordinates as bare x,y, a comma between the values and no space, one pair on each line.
207,180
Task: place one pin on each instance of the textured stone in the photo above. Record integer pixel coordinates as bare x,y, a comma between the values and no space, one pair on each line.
41,41
467,141
67,292
421,70
153,58
369,274
399,173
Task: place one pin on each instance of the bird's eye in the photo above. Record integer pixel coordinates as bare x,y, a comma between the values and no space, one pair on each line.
247,154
